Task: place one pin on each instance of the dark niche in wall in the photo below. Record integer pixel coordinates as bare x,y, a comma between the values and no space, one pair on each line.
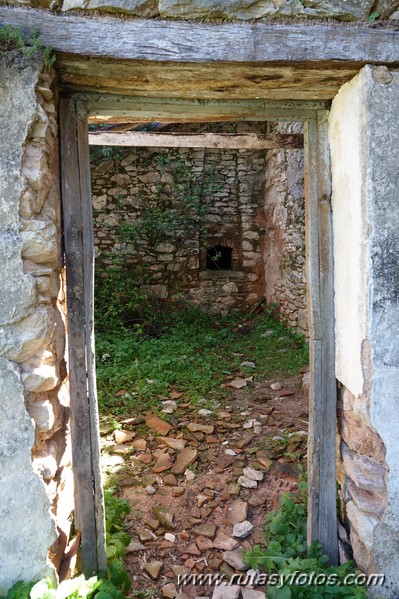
219,257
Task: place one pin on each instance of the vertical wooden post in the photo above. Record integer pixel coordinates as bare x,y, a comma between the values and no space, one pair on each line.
322,510
79,257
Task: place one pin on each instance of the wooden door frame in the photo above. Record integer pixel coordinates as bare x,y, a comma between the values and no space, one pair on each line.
79,251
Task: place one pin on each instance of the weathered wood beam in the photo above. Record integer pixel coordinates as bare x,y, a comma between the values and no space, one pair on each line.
322,510
277,80
79,256
180,41
221,141
109,108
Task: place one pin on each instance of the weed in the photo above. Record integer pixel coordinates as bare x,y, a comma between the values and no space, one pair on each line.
12,37
287,553
373,17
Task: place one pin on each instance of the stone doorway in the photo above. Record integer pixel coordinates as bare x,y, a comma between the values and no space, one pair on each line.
79,256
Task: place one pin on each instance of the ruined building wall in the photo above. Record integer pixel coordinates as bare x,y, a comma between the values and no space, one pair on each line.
284,248
35,475
363,135
342,10
122,188
257,211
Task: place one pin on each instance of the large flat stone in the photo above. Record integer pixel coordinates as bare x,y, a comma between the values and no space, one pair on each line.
186,457
21,341
137,8
235,560
366,473
40,242
360,437
342,9
27,529
157,425
229,9
226,591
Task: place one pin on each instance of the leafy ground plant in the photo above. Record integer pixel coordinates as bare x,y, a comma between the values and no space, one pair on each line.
287,554
112,584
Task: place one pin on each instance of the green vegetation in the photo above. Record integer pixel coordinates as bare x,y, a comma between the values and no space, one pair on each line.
188,354
179,210
107,585
175,217
287,554
12,38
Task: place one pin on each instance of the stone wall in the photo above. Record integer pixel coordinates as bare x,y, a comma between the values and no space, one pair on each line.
123,188
35,475
363,127
284,248
258,212
342,10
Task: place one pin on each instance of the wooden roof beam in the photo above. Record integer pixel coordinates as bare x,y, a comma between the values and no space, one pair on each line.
221,141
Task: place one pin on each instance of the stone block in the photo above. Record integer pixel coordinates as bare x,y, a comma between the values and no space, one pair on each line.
42,378
23,340
165,248
40,241
230,287
42,413
360,437
137,8
18,292
99,202
46,463
371,503
342,9
366,473
363,523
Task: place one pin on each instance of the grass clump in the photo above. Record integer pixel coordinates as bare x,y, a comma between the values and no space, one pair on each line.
12,38
192,353
303,569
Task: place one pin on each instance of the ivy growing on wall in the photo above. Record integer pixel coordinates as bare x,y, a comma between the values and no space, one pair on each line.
179,210
175,216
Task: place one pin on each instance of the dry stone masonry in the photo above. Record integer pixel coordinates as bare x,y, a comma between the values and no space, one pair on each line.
257,211
343,10
34,467
284,249
122,188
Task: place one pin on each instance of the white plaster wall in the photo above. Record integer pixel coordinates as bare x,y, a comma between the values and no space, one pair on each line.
364,130
350,233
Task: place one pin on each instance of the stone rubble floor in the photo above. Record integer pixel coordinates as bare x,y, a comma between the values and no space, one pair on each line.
201,485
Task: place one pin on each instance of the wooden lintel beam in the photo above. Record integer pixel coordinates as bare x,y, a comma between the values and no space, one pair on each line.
222,141
107,108
181,41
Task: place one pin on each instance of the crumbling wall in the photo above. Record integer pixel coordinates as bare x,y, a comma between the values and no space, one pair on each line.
34,458
364,123
284,248
342,10
124,187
